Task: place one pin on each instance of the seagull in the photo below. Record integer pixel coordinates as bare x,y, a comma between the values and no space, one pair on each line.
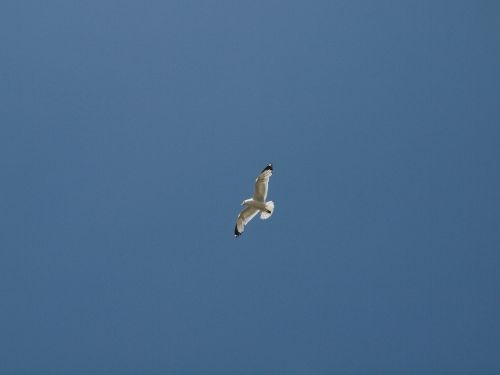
257,203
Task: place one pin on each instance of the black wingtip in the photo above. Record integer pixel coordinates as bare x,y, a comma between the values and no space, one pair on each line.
236,233
268,167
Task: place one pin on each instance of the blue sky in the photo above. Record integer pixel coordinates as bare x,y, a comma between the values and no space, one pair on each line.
131,131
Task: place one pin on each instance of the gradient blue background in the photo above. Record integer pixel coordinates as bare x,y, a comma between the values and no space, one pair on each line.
131,131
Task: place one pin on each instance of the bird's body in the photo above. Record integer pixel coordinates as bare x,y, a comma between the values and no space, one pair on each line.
256,204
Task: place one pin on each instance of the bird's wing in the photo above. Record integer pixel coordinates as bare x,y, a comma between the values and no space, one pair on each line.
244,217
261,183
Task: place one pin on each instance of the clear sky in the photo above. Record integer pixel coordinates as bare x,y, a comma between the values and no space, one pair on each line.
130,132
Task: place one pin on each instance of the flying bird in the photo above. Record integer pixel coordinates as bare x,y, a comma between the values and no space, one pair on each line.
257,203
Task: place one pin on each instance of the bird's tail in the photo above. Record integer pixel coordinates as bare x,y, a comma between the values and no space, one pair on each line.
266,214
